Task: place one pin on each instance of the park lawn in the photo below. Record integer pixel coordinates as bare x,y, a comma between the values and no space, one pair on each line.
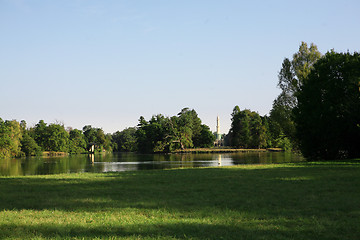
275,201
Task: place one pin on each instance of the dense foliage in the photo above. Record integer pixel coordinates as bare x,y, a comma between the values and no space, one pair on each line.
17,140
10,138
125,141
292,76
160,134
247,129
328,112
165,134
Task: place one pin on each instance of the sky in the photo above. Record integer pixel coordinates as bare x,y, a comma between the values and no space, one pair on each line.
106,63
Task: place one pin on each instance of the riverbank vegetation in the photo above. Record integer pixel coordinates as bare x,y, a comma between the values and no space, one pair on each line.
277,201
317,112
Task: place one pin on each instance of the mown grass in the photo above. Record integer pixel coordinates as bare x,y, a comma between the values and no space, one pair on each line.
284,201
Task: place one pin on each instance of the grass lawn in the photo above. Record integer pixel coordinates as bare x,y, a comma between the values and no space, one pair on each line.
278,201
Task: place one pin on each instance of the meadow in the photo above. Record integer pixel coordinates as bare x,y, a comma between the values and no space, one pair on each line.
271,201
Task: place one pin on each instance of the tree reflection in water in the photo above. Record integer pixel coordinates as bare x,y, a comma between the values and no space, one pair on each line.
116,162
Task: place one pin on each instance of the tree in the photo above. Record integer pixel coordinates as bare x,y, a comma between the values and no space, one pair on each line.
247,129
29,146
327,116
40,134
292,77
10,137
164,134
97,137
206,138
257,131
155,135
240,128
57,138
125,141
77,142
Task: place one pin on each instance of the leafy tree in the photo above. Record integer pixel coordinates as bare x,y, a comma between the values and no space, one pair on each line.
247,129
206,138
125,141
57,138
90,134
10,138
328,112
97,137
143,145
29,146
77,142
257,131
164,134
240,128
154,136
108,145
40,134
292,76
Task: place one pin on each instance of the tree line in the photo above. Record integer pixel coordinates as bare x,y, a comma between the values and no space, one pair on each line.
317,112
18,140
158,135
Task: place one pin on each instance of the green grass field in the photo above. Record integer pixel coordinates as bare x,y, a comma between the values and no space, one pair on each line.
284,201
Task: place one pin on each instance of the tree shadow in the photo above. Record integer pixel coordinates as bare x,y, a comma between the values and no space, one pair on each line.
328,196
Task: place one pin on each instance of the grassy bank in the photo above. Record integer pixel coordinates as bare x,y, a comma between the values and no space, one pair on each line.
285,201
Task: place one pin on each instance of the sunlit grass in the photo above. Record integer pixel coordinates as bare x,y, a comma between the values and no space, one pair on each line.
279,201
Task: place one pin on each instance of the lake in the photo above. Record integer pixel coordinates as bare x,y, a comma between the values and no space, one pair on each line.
118,162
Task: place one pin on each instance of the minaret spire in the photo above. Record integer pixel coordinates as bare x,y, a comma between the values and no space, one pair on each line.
218,135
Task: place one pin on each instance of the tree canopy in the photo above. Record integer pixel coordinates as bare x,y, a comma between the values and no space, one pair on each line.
247,129
165,134
292,76
328,113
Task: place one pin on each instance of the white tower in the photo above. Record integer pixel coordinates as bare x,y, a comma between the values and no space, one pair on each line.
218,134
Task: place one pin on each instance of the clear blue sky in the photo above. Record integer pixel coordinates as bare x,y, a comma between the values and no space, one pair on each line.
106,63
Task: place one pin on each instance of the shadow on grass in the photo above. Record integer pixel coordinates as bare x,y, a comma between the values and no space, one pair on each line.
274,189
324,194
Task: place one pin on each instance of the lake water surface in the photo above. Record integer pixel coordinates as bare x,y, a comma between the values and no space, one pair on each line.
117,162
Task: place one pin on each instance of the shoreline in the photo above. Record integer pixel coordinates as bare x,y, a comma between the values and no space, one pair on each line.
226,150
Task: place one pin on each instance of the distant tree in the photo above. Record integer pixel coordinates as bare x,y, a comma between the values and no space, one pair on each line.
90,134
247,129
57,138
328,112
77,142
125,141
206,138
40,134
10,138
97,137
257,131
240,128
143,145
29,146
108,144
164,134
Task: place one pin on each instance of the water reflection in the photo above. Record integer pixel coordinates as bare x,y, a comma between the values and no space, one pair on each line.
117,162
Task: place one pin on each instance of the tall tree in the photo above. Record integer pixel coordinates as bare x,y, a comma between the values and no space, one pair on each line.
10,138
292,77
164,134
328,112
77,142
28,145
57,138
125,141
40,134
